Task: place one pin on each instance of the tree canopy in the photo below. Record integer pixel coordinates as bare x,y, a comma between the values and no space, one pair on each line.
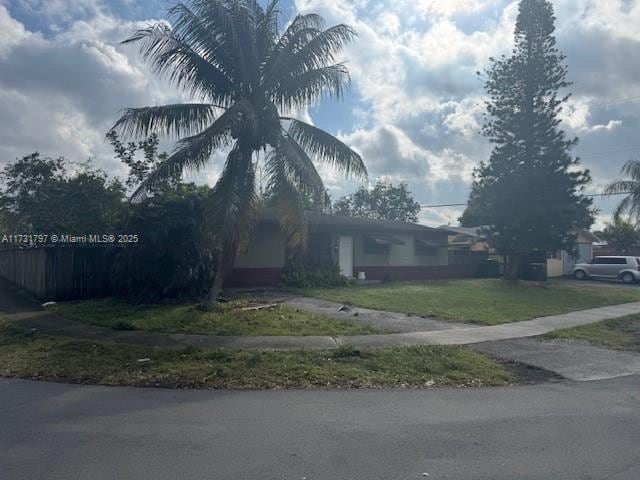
385,201
530,191
621,236
39,195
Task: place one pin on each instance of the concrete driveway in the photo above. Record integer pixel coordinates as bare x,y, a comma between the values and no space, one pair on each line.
566,431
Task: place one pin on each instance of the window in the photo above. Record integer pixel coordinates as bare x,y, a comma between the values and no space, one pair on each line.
610,261
425,247
371,246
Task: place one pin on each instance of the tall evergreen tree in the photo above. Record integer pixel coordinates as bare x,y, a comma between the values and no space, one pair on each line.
530,192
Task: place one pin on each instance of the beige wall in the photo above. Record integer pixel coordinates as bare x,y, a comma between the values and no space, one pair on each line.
266,250
555,267
400,256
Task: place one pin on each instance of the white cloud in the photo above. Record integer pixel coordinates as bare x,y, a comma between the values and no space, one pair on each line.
12,32
414,70
611,125
418,107
445,7
63,92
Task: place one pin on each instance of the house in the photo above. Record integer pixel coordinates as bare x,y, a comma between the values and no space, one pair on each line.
561,263
375,249
465,243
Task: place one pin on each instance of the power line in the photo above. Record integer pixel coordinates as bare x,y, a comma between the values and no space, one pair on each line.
464,204
581,156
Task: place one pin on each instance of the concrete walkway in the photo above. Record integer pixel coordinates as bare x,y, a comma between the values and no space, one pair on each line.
25,313
391,322
574,361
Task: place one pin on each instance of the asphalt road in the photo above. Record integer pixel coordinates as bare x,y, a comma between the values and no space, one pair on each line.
587,430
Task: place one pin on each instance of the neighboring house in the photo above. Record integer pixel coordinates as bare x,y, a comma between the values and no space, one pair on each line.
465,243
379,249
561,263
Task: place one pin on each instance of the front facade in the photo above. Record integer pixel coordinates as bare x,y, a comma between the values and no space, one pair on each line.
561,263
464,243
361,248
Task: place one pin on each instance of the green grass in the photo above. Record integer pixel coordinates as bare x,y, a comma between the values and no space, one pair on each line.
618,334
24,354
227,320
484,302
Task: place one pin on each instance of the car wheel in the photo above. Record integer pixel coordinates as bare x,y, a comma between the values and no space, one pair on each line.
628,278
580,275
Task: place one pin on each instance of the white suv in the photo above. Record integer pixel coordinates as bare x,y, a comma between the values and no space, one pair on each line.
626,269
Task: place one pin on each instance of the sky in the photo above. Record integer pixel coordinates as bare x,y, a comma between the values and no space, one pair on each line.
414,109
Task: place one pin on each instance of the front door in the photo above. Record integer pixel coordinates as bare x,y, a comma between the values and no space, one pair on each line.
345,256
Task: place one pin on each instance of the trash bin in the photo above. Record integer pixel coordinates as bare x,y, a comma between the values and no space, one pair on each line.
536,272
489,269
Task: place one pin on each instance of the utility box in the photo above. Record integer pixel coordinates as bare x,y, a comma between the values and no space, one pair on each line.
535,272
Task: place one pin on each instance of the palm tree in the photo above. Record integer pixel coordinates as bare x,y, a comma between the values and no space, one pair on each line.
630,187
246,76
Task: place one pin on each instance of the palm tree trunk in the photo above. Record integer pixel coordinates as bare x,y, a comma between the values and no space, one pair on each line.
226,260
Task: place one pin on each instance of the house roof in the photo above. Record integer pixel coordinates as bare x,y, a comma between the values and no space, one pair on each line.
337,222
320,221
467,231
477,232
589,235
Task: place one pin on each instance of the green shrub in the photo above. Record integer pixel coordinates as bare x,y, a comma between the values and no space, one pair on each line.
124,325
173,261
300,276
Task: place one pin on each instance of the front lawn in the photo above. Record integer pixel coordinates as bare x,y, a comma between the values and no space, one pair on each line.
25,354
618,334
230,319
483,302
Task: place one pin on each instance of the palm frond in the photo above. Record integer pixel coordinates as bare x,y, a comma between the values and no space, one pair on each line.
234,202
287,202
631,187
316,51
268,22
165,121
303,90
302,28
235,19
193,152
267,35
632,169
326,148
173,58
301,23
206,38
622,207
621,186
289,157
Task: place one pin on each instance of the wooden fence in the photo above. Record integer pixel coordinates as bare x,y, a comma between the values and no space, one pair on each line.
78,273
58,273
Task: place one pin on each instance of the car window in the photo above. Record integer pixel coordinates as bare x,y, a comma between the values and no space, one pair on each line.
610,261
